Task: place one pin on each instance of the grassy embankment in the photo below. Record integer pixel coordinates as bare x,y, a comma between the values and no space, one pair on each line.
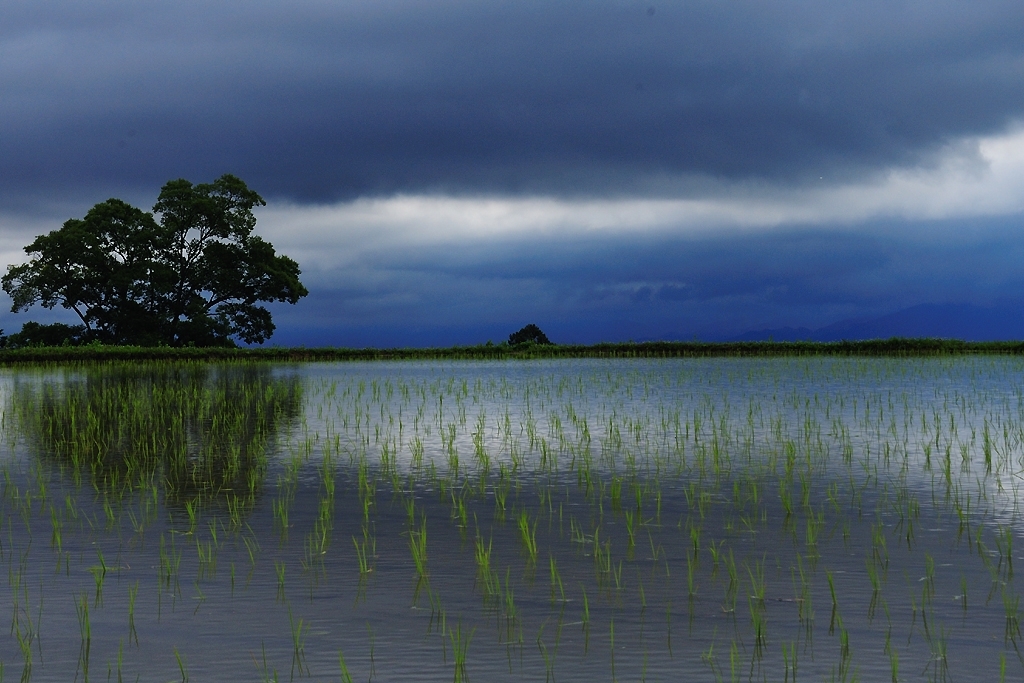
895,346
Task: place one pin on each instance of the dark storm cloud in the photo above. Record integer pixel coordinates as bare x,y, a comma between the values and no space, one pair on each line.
705,267
317,101
617,288
872,267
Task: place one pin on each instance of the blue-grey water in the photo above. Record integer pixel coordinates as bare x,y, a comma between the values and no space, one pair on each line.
719,519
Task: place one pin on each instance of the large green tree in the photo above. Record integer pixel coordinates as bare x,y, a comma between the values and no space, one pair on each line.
193,273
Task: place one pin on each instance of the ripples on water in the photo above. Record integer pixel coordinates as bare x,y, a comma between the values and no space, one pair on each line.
736,519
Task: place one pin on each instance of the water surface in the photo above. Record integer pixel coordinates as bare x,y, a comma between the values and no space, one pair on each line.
575,520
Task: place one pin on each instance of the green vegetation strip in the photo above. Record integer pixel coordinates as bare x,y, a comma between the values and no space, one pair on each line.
896,346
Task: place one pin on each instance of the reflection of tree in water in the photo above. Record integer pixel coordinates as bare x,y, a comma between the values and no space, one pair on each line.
196,430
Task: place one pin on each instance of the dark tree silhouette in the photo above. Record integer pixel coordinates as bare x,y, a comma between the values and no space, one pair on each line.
530,333
36,334
192,274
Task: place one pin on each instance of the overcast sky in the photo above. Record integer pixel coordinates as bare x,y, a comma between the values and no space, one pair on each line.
448,171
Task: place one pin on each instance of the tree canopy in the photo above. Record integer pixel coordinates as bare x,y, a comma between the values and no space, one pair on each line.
192,274
530,333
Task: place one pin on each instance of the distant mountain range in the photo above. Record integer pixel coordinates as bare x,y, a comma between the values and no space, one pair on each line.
950,321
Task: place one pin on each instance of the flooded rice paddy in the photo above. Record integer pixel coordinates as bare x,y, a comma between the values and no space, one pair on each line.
588,520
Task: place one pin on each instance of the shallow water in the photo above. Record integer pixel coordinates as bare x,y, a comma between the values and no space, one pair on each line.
726,519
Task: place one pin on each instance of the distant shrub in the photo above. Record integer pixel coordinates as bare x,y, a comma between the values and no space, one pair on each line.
35,334
530,333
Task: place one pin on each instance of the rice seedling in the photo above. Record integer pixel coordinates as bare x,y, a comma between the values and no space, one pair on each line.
586,609
460,647
845,657
438,614
617,576
280,508
487,577
299,630
879,552
206,553
191,509
528,536
691,583
1004,545
708,658
835,603
279,569
366,551
875,588
928,579
133,594
99,573
1011,609
372,634
894,664
939,662
25,633
756,605
346,677
267,674
734,584
459,513
181,666
120,663
789,659
418,547
85,631
56,536
556,580
170,562
252,547
510,608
